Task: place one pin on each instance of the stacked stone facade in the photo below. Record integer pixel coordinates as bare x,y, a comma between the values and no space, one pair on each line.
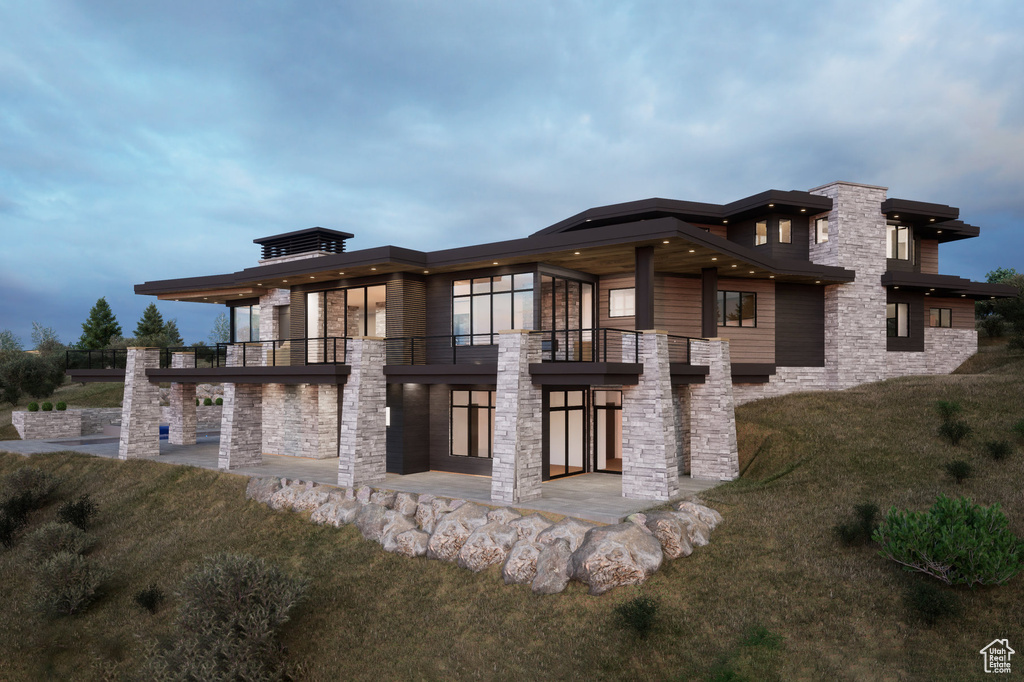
182,427
40,425
516,466
712,432
241,427
362,452
140,411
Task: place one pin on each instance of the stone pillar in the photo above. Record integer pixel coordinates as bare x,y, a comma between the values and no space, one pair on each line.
182,429
650,467
362,443
713,452
140,411
518,419
241,427
327,422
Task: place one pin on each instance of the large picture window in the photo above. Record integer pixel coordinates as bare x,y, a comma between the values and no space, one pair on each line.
484,306
737,309
940,317
622,302
897,319
472,423
897,242
245,323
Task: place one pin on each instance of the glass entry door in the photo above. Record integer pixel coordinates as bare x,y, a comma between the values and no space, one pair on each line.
608,431
565,417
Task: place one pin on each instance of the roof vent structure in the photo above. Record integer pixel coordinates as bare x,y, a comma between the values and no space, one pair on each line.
303,243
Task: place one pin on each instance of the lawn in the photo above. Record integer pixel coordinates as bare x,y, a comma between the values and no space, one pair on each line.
774,596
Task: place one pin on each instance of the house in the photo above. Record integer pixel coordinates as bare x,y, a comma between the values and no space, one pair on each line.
617,340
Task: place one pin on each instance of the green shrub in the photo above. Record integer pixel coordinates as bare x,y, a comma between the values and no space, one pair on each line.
51,538
763,637
30,485
998,449
37,376
993,326
858,531
61,406
66,583
959,470
1018,429
218,401
150,598
207,401
231,611
78,513
33,407
948,409
47,407
197,402
10,524
637,615
930,602
955,431
956,541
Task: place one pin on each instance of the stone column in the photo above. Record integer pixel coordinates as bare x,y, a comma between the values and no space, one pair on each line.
327,422
241,428
650,467
516,466
362,444
182,429
140,411
713,452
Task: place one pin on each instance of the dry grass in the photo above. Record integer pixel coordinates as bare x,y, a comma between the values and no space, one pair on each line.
773,564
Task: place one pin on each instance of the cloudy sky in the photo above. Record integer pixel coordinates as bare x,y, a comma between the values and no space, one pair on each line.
152,140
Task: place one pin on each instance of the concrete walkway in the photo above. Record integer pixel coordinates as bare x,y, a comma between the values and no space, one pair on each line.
596,497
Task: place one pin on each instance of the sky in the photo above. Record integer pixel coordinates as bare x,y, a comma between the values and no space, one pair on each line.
154,140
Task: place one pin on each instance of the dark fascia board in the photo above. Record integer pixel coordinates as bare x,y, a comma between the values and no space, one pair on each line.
110,376
947,285
309,230
950,231
460,374
299,374
586,373
689,211
914,211
682,373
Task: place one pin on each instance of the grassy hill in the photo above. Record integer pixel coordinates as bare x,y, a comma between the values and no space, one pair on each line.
773,597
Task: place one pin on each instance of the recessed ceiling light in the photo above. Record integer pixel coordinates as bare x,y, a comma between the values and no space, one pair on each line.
931,290
665,242
938,231
895,216
963,295
771,205
205,299
373,268
284,280
931,220
692,250
714,258
341,273
817,281
803,210
895,287
927,294
494,263
312,276
239,294
725,222
575,253
426,272
751,272
771,276
734,265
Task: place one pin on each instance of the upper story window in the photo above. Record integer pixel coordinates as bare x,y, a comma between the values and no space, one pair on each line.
821,230
761,233
940,317
897,242
737,309
484,306
897,319
622,302
245,323
785,231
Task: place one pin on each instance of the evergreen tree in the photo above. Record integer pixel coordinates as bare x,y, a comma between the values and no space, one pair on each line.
100,328
151,323
172,334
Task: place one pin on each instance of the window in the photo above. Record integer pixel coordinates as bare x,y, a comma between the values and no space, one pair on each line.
472,423
245,323
896,319
897,242
761,233
483,306
785,231
941,317
622,302
820,230
737,309
355,312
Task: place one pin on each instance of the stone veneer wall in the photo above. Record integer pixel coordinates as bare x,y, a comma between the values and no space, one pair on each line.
713,451
362,446
300,421
650,458
140,410
945,349
241,427
516,465
94,419
42,425
183,420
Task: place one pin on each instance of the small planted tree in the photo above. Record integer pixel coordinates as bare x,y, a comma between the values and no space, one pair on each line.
959,470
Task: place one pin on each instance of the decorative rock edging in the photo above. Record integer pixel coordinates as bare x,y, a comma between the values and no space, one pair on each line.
530,549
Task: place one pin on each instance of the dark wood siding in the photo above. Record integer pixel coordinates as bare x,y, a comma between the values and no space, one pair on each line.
677,305
752,344
962,310
408,437
297,325
606,284
441,458
930,256
799,325
915,322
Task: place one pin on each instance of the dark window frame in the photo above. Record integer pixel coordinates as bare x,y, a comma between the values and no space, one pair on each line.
817,232
473,338
892,329
231,317
948,318
789,231
722,315
471,411
760,233
892,243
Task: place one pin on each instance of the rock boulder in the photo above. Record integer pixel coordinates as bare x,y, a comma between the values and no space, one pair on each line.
530,526
520,567
453,529
336,513
613,556
568,529
487,545
370,521
671,532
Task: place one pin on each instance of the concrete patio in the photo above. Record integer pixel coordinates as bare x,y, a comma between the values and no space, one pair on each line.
595,497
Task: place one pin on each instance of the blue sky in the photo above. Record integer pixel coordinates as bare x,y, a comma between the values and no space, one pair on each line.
152,140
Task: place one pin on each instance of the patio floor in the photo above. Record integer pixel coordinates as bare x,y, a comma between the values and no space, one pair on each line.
595,497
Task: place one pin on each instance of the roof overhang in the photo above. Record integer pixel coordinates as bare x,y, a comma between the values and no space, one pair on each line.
949,286
930,221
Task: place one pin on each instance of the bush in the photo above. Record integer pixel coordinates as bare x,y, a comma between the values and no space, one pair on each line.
47,407
37,376
61,406
218,401
52,538
956,541
197,402
232,608
959,470
207,402
33,407
993,326
78,513
10,524
150,598
27,486
66,583
1018,429
955,431
858,531
998,449
948,409
929,602
638,615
